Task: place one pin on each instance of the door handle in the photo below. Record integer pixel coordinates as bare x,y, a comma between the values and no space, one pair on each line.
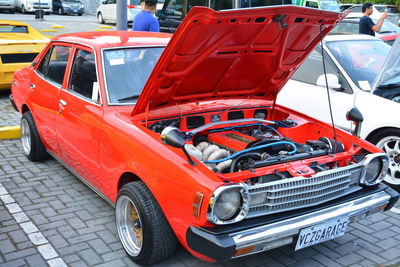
62,102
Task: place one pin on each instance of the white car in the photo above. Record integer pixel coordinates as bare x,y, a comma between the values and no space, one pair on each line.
378,9
26,6
107,10
362,72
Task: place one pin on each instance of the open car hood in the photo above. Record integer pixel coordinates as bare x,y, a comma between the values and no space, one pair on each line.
390,68
246,53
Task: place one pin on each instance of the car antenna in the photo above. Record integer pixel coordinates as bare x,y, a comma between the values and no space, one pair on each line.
326,84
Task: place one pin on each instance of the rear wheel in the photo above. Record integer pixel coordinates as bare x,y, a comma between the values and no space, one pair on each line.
30,139
11,11
23,10
60,11
142,227
100,18
389,142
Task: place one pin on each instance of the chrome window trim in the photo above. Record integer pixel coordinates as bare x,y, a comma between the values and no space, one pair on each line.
109,103
59,86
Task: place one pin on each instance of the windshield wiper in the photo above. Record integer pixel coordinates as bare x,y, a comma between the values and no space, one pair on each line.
131,97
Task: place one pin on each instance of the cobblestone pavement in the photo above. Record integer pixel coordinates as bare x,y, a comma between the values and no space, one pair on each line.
47,216
8,116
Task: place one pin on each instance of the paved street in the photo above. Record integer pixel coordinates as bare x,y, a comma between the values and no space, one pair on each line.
49,218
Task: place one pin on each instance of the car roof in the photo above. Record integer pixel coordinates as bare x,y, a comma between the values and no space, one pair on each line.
109,39
342,37
13,22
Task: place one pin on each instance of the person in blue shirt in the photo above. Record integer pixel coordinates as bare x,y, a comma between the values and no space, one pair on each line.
146,21
367,26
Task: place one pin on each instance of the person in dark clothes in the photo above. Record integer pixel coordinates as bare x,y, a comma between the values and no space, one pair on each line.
366,25
145,21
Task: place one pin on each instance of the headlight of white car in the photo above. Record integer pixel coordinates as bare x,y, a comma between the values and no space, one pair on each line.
229,204
375,169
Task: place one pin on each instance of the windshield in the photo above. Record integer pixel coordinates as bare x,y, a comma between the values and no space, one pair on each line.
362,59
330,5
13,28
127,71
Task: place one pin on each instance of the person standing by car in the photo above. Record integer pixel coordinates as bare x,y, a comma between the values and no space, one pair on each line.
366,25
146,20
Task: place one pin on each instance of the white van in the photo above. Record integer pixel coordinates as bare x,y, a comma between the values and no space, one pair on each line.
26,6
107,11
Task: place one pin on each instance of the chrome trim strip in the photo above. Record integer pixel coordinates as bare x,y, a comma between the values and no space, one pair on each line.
82,179
291,227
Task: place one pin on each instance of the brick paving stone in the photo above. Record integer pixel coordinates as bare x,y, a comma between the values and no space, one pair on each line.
18,236
325,261
57,241
349,259
347,248
371,256
114,263
392,254
14,263
90,256
6,246
22,253
388,243
35,261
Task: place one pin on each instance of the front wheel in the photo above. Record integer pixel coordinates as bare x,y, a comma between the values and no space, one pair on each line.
389,142
100,18
60,11
142,227
31,142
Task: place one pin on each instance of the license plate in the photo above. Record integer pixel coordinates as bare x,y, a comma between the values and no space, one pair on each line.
322,232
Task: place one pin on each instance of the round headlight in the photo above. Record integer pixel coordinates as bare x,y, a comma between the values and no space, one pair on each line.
375,168
227,204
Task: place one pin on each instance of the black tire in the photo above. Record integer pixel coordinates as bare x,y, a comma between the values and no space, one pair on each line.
100,18
23,10
11,11
158,241
31,137
60,11
80,14
389,141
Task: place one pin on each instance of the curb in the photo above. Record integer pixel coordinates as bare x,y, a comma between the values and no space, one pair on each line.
10,132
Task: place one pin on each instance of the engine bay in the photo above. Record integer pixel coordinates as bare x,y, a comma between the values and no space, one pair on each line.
235,142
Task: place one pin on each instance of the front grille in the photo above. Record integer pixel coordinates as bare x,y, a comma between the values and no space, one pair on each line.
301,192
18,58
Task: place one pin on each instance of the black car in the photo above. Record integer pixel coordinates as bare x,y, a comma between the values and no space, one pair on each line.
174,11
68,7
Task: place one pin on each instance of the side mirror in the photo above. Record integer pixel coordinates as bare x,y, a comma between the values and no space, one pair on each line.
172,136
357,118
332,79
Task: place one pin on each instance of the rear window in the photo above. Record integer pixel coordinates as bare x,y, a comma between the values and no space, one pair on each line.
13,28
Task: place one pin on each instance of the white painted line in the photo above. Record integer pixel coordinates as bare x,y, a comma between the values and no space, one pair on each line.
395,210
37,238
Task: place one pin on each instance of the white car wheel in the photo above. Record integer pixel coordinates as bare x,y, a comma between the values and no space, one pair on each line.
391,145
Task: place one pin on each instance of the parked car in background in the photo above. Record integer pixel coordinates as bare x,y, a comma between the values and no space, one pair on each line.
28,6
360,73
68,7
174,11
388,32
19,45
107,10
343,7
391,10
183,136
7,5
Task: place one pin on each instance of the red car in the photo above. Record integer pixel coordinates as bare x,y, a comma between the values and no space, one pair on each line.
182,134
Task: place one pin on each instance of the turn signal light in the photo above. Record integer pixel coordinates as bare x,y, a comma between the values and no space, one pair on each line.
198,199
131,6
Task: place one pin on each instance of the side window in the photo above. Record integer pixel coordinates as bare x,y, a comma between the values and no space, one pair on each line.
42,69
355,9
193,3
83,79
221,4
54,63
312,68
312,4
174,8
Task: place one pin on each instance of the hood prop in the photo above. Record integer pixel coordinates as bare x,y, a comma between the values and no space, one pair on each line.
357,118
172,136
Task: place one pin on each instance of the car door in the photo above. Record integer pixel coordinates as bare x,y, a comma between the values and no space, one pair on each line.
45,86
303,94
80,115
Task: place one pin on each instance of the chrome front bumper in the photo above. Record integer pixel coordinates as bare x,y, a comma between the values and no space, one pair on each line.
225,245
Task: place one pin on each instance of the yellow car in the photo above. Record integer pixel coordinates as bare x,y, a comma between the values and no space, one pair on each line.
19,45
